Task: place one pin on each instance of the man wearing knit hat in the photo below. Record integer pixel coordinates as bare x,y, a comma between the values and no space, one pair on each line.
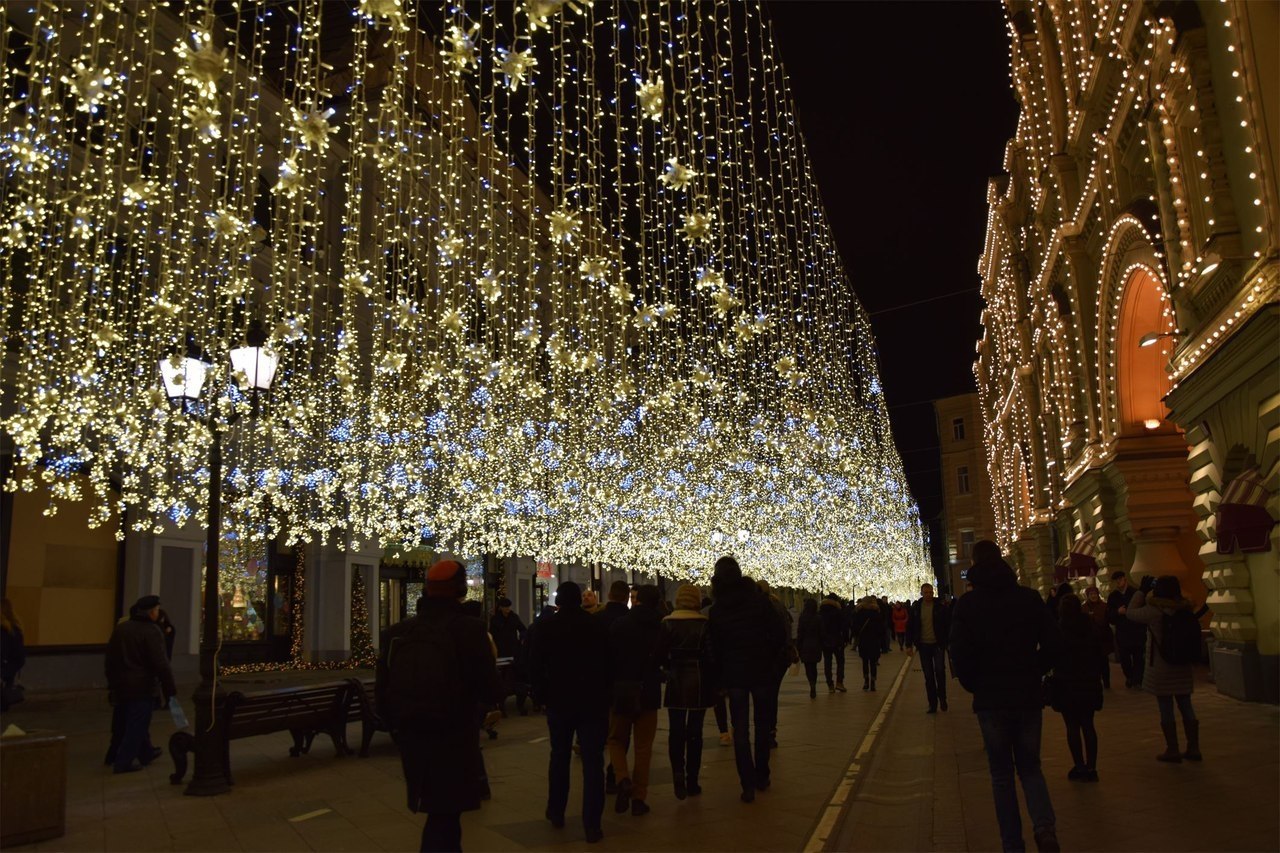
434,670
137,668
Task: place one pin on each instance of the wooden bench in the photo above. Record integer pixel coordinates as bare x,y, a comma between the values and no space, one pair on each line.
304,712
366,706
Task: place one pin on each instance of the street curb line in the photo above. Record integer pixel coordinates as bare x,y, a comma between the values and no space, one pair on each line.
831,814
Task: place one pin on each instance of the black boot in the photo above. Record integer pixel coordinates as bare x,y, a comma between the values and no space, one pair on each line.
1171,753
1193,740
610,782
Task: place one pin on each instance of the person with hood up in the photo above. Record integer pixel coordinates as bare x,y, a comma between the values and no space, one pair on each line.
685,652
809,643
1003,641
868,636
1077,686
899,617
137,669
637,696
747,637
1168,681
835,636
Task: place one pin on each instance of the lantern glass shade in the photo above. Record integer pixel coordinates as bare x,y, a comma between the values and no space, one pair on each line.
184,377
258,364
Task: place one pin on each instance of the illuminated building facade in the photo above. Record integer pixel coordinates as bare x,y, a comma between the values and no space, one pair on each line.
967,506
1128,368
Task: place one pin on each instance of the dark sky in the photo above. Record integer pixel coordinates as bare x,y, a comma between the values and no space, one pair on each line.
906,108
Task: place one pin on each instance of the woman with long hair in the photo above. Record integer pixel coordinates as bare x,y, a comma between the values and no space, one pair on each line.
1077,686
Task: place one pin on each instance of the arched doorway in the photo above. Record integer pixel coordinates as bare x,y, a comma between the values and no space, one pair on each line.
1141,378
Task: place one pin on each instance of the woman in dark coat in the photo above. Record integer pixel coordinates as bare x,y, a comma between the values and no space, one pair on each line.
809,643
684,649
1077,686
1096,609
868,633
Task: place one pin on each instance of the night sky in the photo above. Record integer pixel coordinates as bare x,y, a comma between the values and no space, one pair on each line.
906,108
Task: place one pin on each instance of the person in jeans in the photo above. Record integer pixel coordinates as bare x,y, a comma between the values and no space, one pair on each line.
747,637
1131,636
569,670
1003,641
1169,682
685,652
137,669
928,632
637,696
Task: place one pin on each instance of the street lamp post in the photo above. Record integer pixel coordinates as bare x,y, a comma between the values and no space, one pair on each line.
184,378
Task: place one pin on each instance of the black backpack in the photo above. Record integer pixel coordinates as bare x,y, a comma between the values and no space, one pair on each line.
424,681
1181,632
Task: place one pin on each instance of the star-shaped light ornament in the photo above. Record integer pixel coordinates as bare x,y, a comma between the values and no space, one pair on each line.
205,119
290,330
453,320
357,281
141,191
461,51
621,292
514,65
490,286
710,279
697,225
652,96
89,83
106,335
677,176
225,224
450,246
82,224
701,375
646,317
313,128
392,362
540,12
624,388
725,302
203,64
289,180
565,225
528,332
594,269
383,11
787,369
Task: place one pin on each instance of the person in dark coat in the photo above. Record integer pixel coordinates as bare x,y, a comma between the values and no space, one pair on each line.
809,643
1131,636
868,636
569,669
684,650
1077,686
137,671
1003,641
13,650
439,746
835,636
614,609
747,637
786,657
929,633
510,636
1096,609
637,696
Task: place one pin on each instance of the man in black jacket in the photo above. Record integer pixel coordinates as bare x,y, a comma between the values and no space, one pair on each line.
137,669
433,671
569,668
614,609
747,638
1131,637
928,632
637,696
1003,641
835,636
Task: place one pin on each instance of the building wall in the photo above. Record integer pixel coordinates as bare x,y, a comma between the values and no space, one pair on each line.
1139,197
964,511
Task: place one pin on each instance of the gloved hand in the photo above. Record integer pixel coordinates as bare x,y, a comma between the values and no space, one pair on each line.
1148,582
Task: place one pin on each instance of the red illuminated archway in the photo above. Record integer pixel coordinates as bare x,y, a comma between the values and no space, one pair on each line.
1141,378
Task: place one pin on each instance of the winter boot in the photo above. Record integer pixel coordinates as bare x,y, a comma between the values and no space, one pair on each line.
678,778
840,687
610,782
866,684
1193,740
873,685
1170,753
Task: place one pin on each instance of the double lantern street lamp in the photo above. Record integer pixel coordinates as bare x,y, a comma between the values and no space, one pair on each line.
184,379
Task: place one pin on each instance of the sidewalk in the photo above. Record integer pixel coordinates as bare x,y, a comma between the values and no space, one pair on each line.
321,802
927,787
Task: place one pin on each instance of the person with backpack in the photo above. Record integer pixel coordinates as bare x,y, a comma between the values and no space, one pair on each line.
1174,647
868,636
809,643
434,670
835,636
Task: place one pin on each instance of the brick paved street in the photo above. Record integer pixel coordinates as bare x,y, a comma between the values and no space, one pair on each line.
923,785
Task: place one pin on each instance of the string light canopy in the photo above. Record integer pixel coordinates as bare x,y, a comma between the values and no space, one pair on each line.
548,278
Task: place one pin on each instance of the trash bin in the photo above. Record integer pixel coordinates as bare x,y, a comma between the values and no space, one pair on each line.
33,776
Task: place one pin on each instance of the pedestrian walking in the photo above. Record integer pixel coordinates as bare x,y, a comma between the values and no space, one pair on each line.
886,622
13,655
637,696
928,632
899,616
570,672
1131,636
1175,646
684,651
138,674
1076,691
510,636
835,636
1096,609
617,606
746,637
868,637
433,672
1003,641
786,656
809,643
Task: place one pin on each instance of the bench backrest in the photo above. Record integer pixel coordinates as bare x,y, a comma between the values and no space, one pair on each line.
316,707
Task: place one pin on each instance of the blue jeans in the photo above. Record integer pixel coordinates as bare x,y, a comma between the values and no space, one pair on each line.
933,660
1184,708
135,731
752,774
592,726
1012,739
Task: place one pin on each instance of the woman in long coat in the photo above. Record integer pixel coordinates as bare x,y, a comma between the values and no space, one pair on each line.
809,643
684,649
868,634
1168,682
1096,609
1077,686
